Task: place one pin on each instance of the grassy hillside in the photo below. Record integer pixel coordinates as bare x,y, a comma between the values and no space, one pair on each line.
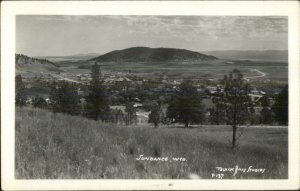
60,146
29,64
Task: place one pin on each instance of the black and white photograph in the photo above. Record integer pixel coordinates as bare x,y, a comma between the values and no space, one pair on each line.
152,97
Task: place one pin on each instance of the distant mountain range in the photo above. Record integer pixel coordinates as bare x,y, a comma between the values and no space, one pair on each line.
145,54
254,55
74,57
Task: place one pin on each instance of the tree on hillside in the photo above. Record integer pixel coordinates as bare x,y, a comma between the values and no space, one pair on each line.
20,98
131,116
186,106
19,82
64,98
266,116
116,116
234,101
97,106
39,102
215,115
280,106
253,115
156,116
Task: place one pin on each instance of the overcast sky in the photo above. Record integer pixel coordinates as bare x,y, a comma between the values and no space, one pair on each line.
68,35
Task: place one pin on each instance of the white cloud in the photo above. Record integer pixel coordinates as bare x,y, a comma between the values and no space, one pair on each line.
100,33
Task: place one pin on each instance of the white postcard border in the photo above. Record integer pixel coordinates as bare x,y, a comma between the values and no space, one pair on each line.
235,8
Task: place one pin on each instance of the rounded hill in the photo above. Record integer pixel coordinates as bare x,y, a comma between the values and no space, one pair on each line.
145,54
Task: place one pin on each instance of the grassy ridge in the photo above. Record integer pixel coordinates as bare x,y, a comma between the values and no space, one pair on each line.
60,146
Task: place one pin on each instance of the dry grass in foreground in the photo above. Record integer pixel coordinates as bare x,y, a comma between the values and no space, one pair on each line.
57,146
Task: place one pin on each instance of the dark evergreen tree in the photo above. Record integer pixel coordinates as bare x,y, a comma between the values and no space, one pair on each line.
252,114
131,116
20,98
186,106
217,113
156,116
64,98
116,116
97,103
280,106
39,102
215,116
234,101
266,115
19,82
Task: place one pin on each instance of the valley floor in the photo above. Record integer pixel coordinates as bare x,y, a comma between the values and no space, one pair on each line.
58,146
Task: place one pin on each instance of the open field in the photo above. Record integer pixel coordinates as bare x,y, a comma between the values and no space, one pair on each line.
213,69
59,146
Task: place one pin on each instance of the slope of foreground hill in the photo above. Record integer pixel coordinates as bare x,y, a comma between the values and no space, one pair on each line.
25,63
145,54
59,146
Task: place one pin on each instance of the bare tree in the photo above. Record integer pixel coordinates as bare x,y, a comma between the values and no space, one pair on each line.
234,101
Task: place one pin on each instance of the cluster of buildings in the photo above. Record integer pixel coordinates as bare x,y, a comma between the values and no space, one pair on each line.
133,83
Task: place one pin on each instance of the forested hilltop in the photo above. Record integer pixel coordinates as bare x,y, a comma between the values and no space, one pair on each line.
145,54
